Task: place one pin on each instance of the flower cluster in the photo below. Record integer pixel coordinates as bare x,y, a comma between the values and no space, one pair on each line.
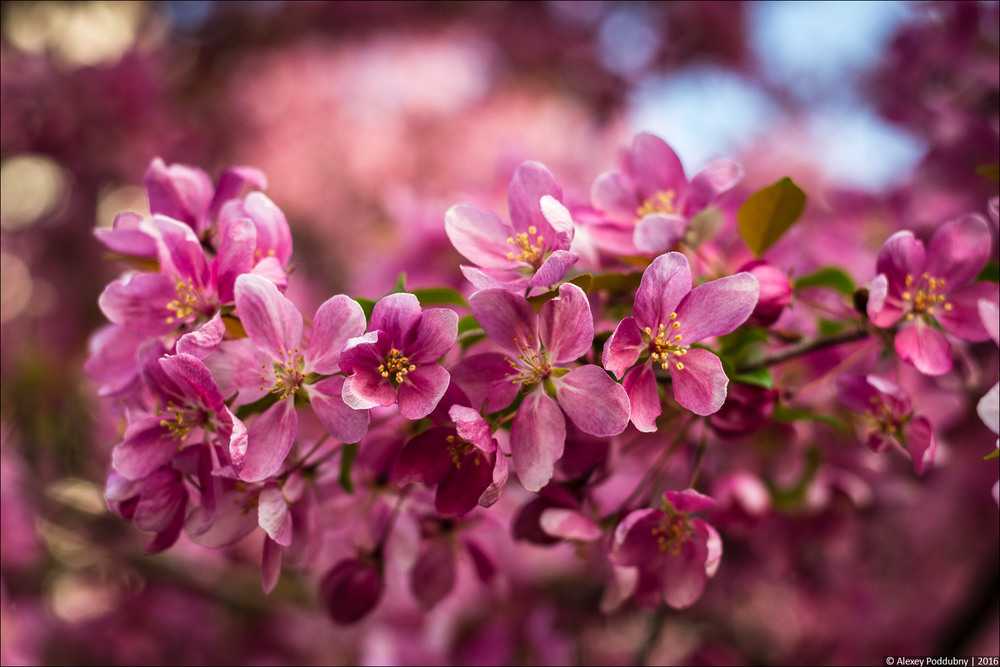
593,368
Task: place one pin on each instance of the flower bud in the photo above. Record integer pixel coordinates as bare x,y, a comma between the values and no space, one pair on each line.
351,590
775,292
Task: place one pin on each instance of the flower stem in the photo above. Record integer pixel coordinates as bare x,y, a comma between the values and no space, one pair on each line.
805,347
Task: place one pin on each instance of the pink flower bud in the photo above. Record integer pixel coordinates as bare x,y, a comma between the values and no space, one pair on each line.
775,292
351,590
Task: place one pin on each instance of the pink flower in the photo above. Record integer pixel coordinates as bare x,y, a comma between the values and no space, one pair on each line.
542,347
396,361
890,415
928,288
775,292
464,463
532,250
674,554
668,317
648,202
273,360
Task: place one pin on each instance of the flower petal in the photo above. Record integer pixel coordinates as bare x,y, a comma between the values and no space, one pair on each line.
436,333
664,283
397,315
658,233
269,440
425,458
644,397
193,379
271,320
883,311
701,385
433,574
622,349
537,437
593,401
146,447
715,179
203,341
486,379
273,515
560,219
901,255
531,182
139,302
421,390
614,194
270,565
479,235
366,388
566,325
717,307
343,422
235,257
180,192
959,249
962,316
655,166
988,313
507,318
337,320
553,269
925,347
920,444
569,524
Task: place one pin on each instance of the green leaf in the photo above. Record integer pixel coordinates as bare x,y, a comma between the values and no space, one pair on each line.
992,455
990,272
784,413
768,213
990,171
616,282
467,323
367,305
347,455
829,276
760,378
438,296
400,285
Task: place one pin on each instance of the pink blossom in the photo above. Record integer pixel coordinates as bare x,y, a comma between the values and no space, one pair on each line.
396,361
929,288
274,360
775,292
674,554
532,250
542,350
889,412
668,317
648,202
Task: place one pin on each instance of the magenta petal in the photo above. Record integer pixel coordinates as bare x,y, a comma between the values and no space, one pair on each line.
882,311
684,575
643,396
658,233
634,539
181,252
147,446
655,166
232,183
193,379
593,401
203,341
273,515
664,283
274,237
717,307
507,318
989,314
339,319
229,524
270,270
856,392
531,182
397,314
139,302
127,237
919,442
435,335
553,269
365,351
561,221
340,420
613,193
537,438
433,574
425,458
701,385
473,428
622,349
235,257
963,319
468,480
161,493
901,254
269,440
498,484
237,366
566,325
508,279
421,390
689,500
925,347
485,379
569,524
959,249
180,192
271,320
270,565
238,441
367,389
479,235
715,179
351,590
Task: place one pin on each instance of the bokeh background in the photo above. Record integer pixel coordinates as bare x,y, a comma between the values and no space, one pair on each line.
370,119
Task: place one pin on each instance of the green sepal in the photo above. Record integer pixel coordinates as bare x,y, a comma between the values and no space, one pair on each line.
257,407
990,272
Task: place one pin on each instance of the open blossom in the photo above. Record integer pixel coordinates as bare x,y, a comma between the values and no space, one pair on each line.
542,350
274,359
464,463
889,412
674,554
926,288
396,361
668,317
532,250
646,205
